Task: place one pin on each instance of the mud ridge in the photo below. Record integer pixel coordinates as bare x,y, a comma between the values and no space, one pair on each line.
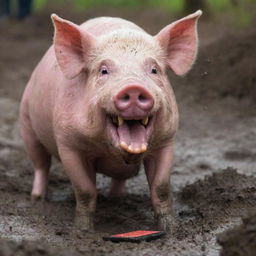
219,197
25,248
240,241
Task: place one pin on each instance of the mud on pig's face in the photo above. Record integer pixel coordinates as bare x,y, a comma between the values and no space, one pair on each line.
126,82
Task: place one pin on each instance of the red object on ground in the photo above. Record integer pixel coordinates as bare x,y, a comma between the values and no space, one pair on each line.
135,236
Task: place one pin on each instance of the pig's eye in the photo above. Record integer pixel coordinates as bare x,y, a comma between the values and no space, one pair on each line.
154,70
104,70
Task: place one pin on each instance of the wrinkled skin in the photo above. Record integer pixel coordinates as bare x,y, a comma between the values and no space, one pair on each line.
100,101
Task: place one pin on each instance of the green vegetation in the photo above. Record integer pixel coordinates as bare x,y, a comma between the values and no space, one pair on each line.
239,9
39,4
174,5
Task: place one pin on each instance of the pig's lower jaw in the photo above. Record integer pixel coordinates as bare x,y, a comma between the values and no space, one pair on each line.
130,136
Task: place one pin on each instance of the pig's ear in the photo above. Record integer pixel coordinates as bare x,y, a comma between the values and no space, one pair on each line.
179,41
72,46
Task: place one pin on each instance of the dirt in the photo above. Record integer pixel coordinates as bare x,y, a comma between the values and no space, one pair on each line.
25,248
240,240
219,196
236,59
214,175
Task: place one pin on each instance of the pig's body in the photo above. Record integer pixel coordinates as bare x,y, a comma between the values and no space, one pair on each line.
67,113
45,98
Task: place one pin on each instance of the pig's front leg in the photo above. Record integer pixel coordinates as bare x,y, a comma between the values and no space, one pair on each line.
158,170
83,179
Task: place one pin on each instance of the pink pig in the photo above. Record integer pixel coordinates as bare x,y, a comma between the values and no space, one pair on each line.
100,101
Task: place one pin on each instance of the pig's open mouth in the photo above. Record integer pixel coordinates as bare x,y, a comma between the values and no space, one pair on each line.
131,135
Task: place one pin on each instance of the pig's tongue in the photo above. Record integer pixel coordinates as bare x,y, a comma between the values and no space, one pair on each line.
132,137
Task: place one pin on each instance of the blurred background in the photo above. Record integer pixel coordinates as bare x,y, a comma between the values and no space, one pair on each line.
217,104
27,26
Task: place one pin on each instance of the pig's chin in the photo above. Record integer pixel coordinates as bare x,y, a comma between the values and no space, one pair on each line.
130,135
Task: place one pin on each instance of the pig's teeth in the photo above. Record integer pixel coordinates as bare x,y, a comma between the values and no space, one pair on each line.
143,147
131,149
120,120
134,150
145,121
123,145
137,150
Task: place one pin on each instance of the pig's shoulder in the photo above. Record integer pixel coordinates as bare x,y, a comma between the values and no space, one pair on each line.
104,25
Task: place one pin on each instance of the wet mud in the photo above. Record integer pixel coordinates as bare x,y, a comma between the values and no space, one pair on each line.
214,174
240,240
219,197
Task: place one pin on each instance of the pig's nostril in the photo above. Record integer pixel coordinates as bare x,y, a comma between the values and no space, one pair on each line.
142,98
126,97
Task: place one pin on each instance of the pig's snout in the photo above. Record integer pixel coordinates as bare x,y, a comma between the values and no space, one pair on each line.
134,101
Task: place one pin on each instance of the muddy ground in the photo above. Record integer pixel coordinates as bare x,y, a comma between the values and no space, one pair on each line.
214,175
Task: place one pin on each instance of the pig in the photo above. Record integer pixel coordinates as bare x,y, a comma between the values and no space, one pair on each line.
100,102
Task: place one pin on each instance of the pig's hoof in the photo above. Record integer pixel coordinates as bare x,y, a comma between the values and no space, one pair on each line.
166,223
84,223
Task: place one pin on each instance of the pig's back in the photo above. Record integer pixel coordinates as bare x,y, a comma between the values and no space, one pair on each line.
104,25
